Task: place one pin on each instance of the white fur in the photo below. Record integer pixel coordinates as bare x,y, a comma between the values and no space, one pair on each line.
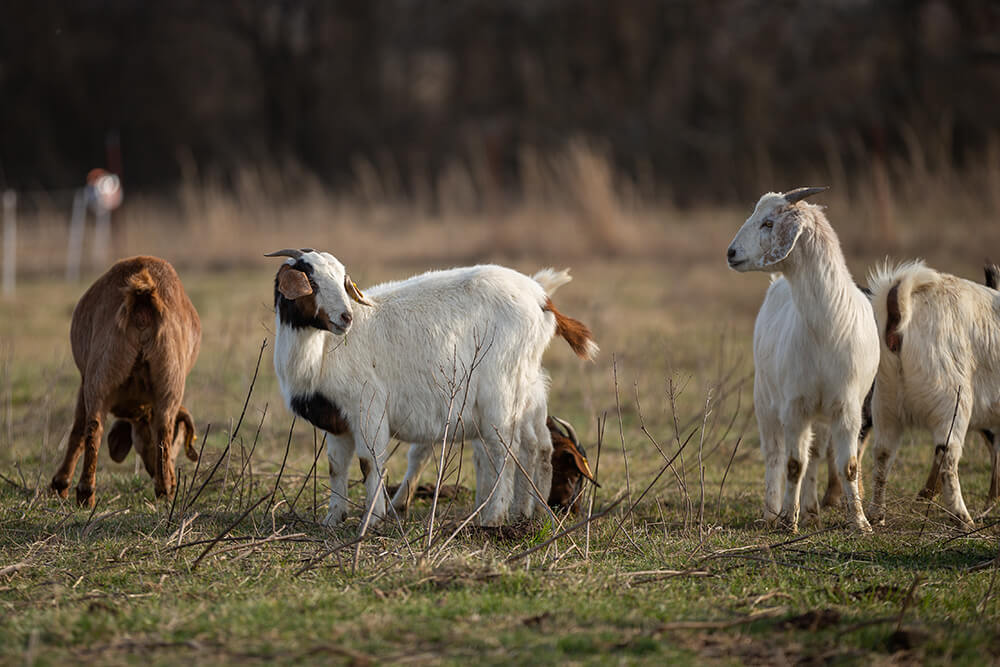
392,371
950,354
815,352
536,411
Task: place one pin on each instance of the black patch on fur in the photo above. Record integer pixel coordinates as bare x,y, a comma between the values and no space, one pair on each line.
320,412
291,313
991,436
866,415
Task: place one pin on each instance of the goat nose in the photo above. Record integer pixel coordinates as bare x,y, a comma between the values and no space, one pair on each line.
346,318
731,253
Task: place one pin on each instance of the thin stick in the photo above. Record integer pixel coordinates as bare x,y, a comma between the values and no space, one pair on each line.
655,479
621,431
718,504
218,537
585,522
312,563
954,415
366,520
593,492
309,475
236,430
281,470
701,467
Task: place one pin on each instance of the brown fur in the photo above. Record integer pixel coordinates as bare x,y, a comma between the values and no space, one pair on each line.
893,338
569,468
135,336
851,470
573,331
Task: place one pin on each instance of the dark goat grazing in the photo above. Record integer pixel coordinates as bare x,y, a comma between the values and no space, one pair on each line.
135,336
569,466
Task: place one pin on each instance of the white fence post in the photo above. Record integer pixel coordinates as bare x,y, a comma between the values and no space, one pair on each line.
102,235
74,250
9,242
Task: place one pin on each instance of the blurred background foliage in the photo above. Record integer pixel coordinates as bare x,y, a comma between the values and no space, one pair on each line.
694,100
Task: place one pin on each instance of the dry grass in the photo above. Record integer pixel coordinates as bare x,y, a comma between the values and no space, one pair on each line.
678,568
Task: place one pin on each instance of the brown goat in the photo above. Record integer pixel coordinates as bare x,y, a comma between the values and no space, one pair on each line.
569,466
135,336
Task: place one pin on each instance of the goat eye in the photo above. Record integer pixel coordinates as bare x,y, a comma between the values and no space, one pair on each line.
767,224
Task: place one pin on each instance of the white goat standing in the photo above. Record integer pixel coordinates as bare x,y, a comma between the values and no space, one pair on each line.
815,349
940,369
458,349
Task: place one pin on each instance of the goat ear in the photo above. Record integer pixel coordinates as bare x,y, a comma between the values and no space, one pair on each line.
120,440
293,283
580,462
355,293
787,230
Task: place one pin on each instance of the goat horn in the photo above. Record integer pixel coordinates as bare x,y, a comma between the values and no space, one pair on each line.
566,426
798,194
287,252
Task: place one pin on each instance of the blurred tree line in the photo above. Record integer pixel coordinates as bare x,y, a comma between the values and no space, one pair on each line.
707,96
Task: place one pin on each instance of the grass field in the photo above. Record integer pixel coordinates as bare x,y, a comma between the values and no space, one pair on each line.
681,569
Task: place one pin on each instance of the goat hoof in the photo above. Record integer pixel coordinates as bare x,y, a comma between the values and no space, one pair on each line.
785,523
334,518
61,487
863,526
85,496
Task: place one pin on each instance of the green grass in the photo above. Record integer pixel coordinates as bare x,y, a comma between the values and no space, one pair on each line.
124,583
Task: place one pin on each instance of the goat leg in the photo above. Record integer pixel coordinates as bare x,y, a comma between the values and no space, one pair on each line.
74,447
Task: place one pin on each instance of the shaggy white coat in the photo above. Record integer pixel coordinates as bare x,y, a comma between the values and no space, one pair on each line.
815,353
950,354
480,331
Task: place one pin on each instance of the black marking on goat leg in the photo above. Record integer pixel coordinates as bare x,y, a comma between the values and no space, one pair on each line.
893,339
366,468
320,412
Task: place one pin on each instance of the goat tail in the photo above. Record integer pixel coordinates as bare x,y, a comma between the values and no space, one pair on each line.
992,273
575,332
892,291
551,280
184,417
142,305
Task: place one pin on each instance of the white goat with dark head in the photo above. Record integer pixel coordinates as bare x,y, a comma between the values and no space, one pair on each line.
940,369
815,349
388,369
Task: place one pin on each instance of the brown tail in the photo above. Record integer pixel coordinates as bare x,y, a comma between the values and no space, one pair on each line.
574,332
893,338
184,417
143,305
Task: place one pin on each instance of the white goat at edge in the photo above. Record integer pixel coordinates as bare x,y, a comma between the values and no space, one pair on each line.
387,369
816,351
940,369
